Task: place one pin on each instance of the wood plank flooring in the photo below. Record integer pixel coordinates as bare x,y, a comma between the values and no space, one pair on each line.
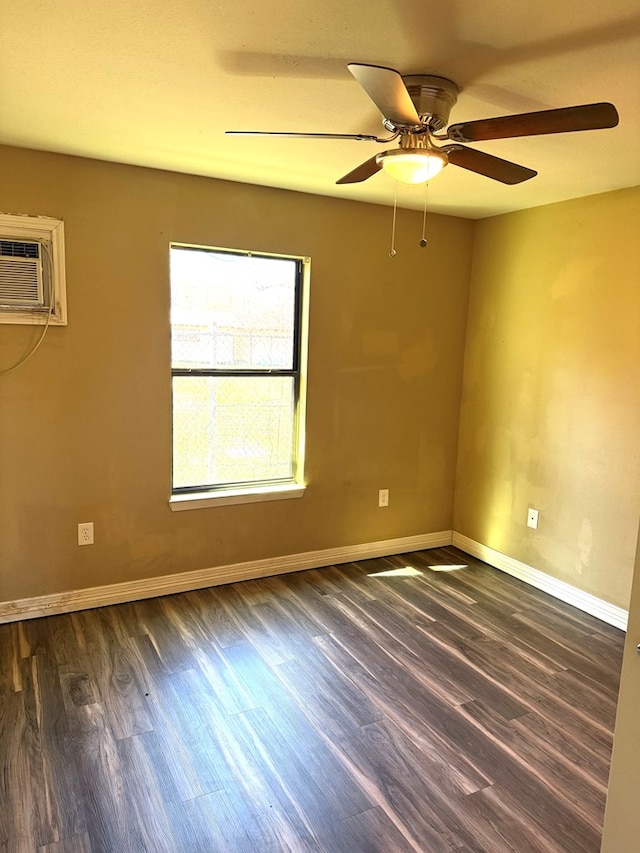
375,707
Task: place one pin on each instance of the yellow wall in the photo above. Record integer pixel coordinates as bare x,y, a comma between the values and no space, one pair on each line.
550,414
85,424
551,402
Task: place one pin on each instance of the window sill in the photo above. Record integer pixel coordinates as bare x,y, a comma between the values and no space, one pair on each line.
202,500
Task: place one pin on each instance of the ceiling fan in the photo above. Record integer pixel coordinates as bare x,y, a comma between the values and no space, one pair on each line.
415,111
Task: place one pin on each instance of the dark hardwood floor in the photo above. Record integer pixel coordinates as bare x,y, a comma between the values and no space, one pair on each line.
357,708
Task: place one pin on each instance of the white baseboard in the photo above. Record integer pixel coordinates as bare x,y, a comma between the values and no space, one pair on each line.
98,596
584,601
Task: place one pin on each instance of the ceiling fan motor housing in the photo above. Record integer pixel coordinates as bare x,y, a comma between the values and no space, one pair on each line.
433,97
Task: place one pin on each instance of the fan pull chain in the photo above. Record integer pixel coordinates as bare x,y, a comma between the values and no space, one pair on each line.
392,253
423,241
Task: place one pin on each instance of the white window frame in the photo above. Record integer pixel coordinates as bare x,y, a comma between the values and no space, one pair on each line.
202,498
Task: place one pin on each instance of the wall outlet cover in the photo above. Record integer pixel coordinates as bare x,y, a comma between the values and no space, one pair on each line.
85,533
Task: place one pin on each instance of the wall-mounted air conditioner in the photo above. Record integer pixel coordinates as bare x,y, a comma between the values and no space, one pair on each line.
22,283
32,279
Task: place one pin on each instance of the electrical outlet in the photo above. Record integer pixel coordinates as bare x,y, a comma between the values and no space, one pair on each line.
85,533
532,518
383,497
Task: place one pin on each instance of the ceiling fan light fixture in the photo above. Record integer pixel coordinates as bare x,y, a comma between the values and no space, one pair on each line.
412,165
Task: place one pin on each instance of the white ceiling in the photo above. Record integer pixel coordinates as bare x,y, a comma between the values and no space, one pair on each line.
157,82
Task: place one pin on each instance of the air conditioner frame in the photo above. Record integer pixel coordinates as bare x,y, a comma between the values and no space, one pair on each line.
49,234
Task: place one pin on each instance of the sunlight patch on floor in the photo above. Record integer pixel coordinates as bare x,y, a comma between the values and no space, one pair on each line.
447,568
403,572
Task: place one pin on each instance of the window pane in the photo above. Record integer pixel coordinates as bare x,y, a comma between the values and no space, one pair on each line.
232,311
232,429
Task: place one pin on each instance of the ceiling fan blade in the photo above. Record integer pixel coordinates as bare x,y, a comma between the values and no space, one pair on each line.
386,89
567,119
358,136
486,164
361,173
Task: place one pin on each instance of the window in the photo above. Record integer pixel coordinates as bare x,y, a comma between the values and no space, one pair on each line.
237,357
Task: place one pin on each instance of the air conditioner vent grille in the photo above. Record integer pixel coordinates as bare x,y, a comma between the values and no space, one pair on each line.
19,249
21,284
